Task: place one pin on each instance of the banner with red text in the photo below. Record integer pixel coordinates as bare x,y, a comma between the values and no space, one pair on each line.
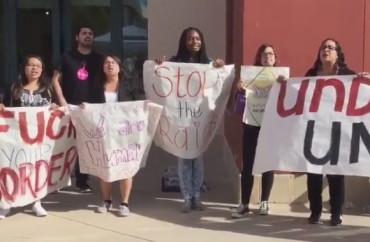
37,154
318,125
194,97
113,139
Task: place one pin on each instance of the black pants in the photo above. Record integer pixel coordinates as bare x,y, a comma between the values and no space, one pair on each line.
250,137
336,192
81,179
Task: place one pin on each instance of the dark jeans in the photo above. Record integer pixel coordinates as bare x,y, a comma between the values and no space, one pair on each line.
81,179
250,137
336,192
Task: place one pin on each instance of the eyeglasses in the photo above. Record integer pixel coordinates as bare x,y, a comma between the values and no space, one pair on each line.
34,65
267,53
329,47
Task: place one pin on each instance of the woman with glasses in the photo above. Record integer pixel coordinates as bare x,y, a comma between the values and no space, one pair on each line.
330,62
267,57
31,89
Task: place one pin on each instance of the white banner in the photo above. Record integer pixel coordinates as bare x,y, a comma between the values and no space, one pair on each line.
37,154
194,97
317,125
257,82
113,139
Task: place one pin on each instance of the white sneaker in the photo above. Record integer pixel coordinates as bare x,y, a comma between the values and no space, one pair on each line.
264,208
123,211
39,210
4,213
104,207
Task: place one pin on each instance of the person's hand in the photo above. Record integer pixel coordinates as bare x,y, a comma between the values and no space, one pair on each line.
2,107
218,63
53,106
239,85
160,60
281,79
364,75
83,105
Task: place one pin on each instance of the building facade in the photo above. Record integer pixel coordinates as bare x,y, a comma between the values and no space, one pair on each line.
46,28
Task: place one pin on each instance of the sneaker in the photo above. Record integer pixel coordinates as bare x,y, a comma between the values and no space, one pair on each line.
186,207
197,205
314,218
39,210
336,220
240,211
84,189
104,207
4,213
123,211
264,208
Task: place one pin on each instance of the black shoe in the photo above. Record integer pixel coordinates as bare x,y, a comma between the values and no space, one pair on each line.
84,189
314,218
336,219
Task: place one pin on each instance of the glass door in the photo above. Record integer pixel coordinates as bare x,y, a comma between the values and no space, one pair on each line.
34,30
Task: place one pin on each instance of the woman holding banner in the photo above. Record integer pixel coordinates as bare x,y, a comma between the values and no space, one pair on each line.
265,56
330,62
31,89
192,49
112,86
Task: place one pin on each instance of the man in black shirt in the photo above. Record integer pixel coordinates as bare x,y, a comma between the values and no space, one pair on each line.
72,76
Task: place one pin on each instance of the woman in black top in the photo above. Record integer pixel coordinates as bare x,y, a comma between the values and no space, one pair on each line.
31,89
192,49
112,86
330,62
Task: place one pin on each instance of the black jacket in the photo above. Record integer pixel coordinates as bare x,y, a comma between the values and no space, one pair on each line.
341,72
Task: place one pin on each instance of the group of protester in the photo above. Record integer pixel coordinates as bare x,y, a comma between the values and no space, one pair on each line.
84,76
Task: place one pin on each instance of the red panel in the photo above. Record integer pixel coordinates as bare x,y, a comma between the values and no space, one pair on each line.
367,37
297,27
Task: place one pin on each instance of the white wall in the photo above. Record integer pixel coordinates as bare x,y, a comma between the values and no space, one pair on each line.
168,18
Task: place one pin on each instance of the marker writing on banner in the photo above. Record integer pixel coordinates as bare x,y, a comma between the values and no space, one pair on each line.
359,129
183,85
31,178
44,130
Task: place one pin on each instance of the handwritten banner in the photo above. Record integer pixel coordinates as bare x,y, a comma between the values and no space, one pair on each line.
113,139
317,125
257,82
37,154
194,97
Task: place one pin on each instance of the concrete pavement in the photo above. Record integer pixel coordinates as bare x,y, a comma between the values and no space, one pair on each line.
156,216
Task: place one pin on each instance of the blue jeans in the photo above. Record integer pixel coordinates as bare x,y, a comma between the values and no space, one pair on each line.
191,177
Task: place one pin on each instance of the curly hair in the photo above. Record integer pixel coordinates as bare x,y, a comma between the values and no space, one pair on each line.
183,54
340,61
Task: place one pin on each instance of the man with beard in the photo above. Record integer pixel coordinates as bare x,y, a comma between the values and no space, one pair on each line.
73,74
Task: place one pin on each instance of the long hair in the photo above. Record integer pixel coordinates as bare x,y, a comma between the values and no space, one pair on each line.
22,80
183,54
260,50
101,77
340,61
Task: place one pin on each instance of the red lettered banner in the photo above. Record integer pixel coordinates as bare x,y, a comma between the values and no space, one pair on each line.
37,154
318,125
194,98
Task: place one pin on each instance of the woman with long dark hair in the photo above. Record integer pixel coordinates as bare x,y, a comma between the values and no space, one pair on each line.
330,61
31,89
267,57
192,49
112,86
